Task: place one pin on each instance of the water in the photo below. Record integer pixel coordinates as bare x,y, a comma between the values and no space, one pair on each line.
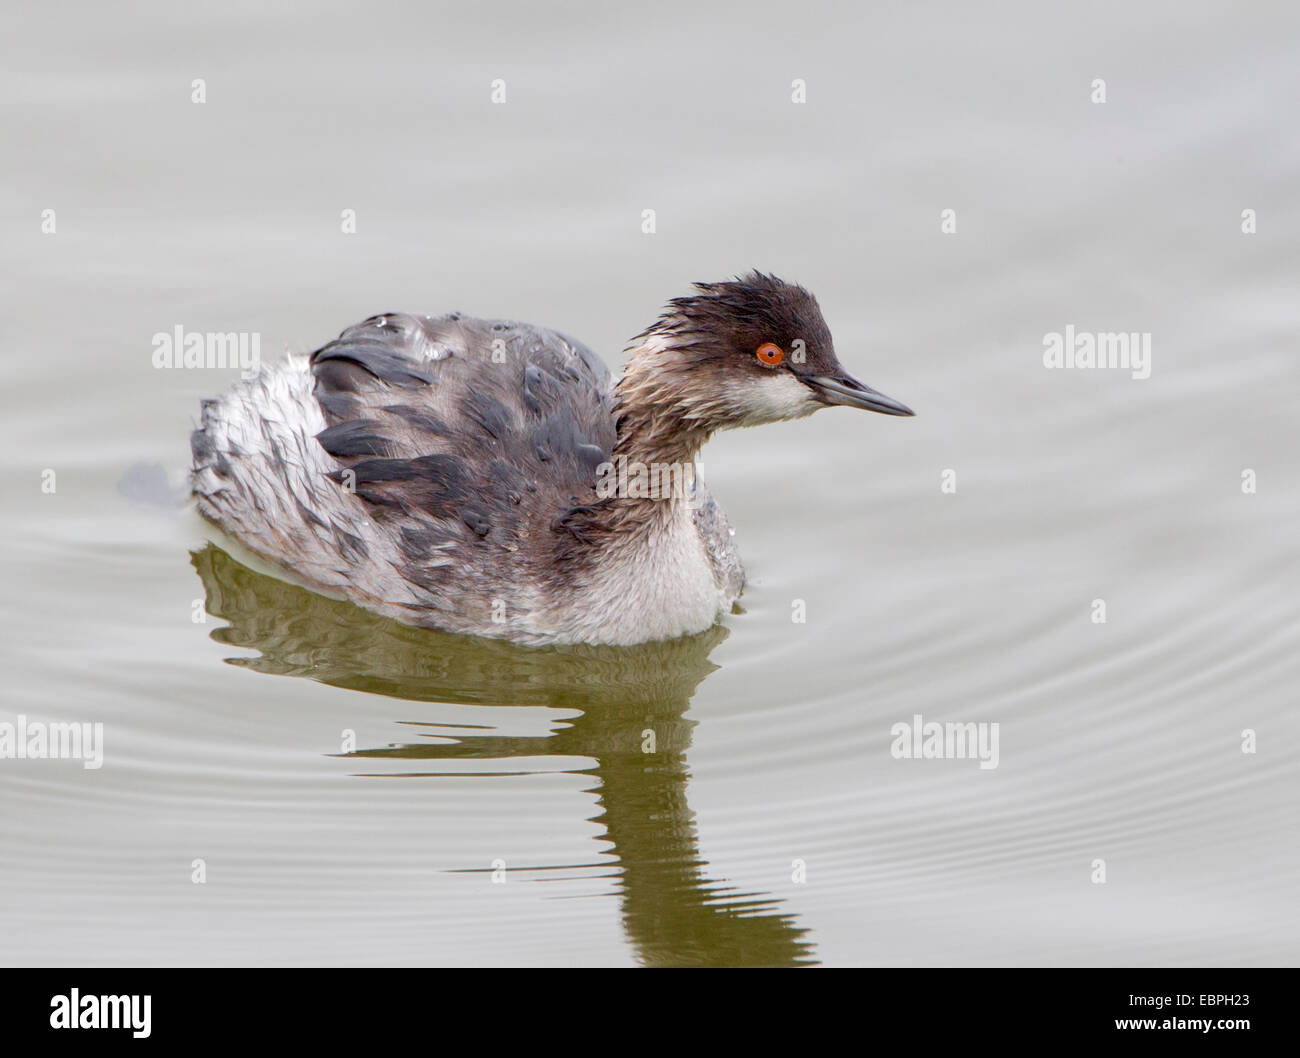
225,737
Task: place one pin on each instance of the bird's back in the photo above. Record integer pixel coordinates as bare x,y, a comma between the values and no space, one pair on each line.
415,465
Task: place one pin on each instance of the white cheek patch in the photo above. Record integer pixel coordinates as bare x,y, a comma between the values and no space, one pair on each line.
771,398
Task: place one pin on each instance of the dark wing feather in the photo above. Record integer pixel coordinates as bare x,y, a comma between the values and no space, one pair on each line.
460,431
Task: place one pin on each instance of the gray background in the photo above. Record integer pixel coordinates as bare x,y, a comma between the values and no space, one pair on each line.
1119,741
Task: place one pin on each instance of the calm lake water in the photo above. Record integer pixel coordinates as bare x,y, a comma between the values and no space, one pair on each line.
363,793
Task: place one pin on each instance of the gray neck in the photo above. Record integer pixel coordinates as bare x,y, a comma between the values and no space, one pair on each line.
658,441
658,411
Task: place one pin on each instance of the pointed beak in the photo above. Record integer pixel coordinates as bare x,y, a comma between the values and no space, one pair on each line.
847,390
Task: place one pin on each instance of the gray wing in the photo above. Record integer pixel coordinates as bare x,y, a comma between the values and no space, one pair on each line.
719,541
407,451
458,429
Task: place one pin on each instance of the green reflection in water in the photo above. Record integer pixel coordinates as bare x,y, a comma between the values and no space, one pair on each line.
675,915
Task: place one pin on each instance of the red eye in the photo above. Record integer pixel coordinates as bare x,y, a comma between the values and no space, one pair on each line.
769,353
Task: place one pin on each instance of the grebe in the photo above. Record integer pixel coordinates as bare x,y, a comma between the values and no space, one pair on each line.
473,475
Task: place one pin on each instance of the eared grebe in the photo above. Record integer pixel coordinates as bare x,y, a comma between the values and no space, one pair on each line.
491,478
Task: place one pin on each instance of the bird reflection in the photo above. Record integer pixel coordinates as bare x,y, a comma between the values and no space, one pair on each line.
632,700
